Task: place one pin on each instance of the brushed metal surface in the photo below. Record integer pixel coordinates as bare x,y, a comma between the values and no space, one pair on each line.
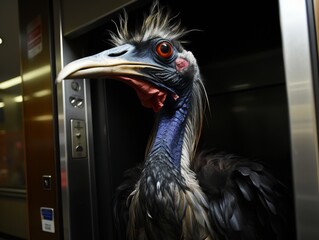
303,128
80,16
39,114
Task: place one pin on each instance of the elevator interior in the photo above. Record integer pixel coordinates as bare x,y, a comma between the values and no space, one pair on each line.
238,47
248,53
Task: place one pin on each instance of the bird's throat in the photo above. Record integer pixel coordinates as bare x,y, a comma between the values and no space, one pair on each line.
161,179
168,141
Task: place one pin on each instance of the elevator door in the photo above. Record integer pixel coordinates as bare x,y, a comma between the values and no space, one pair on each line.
240,56
239,50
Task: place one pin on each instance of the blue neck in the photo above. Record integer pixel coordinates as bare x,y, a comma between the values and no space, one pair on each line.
169,137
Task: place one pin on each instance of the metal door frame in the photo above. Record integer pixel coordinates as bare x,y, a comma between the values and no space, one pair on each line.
296,29
78,182
299,70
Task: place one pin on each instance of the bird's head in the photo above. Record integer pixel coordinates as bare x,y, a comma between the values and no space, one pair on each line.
151,60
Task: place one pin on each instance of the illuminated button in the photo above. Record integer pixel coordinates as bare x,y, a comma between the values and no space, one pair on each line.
76,102
73,101
79,103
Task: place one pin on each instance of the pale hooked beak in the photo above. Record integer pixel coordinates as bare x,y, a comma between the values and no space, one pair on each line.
120,63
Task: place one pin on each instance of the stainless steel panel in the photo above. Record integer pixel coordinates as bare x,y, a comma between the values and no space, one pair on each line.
303,128
316,12
73,18
13,213
13,204
264,68
78,138
77,176
12,172
79,16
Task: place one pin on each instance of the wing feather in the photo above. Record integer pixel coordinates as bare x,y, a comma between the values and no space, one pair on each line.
245,200
121,198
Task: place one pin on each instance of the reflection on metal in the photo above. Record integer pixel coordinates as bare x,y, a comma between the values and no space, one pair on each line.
11,82
77,168
78,21
42,93
12,173
13,204
42,118
36,73
316,8
304,139
18,99
239,73
10,192
40,127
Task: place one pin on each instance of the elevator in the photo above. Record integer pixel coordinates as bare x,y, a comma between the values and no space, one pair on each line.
259,62
243,52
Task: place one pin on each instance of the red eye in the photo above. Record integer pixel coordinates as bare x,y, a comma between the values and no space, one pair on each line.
164,49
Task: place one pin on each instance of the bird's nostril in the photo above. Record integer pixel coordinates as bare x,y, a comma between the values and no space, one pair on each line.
116,54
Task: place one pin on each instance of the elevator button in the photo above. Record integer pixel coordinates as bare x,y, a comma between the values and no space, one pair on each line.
78,137
79,148
73,101
46,182
79,103
75,86
76,102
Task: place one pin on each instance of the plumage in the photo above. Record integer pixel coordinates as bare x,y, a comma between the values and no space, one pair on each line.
178,192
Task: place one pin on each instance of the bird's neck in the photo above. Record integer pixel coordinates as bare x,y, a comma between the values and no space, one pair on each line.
168,140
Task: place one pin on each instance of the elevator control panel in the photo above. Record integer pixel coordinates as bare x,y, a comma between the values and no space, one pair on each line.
78,138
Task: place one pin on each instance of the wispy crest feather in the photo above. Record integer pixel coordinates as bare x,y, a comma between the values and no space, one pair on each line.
159,23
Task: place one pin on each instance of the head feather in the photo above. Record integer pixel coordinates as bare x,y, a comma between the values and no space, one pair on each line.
158,23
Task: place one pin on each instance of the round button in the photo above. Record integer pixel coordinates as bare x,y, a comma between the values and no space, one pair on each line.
79,103
79,148
73,101
75,86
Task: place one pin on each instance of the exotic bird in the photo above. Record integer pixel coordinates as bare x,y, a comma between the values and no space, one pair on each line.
178,192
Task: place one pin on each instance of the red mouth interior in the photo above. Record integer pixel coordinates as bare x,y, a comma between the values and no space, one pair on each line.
149,95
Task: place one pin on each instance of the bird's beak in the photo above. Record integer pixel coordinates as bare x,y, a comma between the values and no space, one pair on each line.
119,63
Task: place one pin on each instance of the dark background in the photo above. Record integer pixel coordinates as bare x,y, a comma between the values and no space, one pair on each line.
239,51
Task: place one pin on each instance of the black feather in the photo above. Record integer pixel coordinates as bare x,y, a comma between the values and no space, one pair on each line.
121,214
246,201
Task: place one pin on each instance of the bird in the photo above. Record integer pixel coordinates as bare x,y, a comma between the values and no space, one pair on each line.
179,191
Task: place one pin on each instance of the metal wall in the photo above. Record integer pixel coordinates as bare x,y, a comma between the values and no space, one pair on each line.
301,77
13,206
78,170
41,152
261,73
245,79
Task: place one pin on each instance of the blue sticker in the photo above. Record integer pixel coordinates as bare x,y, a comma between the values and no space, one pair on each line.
47,219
